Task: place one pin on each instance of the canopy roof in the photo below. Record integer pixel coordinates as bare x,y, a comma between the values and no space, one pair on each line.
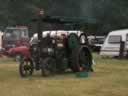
76,20
68,20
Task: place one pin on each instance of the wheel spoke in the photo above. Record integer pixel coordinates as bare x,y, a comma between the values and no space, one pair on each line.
26,68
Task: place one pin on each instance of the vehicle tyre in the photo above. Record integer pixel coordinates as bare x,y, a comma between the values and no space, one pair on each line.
26,67
48,66
73,41
81,59
83,39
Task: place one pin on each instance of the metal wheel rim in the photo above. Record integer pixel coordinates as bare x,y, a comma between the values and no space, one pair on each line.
26,68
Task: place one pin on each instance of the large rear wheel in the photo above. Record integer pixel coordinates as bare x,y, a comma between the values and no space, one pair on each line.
48,65
73,41
83,39
81,59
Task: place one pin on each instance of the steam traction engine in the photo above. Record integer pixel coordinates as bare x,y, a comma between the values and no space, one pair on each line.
56,50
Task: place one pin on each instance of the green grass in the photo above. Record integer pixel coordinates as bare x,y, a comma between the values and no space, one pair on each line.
4,60
109,79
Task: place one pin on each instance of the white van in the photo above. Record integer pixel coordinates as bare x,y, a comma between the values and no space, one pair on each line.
111,46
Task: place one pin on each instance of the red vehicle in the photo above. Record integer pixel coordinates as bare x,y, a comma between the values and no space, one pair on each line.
19,52
16,40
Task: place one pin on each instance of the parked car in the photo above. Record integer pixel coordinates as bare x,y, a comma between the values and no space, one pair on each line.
111,46
15,41
15,37
96,42
19,52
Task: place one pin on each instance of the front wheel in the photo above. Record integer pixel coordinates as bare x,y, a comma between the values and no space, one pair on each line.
26,67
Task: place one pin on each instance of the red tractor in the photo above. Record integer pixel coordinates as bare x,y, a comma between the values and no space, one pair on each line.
16,41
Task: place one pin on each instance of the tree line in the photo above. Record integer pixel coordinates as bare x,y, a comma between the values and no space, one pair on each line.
109,14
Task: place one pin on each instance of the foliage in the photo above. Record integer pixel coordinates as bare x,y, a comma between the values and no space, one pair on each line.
110,14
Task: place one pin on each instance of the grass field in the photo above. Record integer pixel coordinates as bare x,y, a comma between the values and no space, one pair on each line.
109,79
